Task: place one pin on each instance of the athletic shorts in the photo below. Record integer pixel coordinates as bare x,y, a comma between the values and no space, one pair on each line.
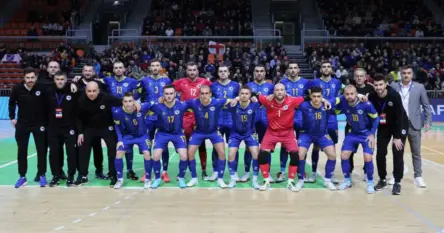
162,139
352,141
197,138
143,143
286,137
236,139
305,140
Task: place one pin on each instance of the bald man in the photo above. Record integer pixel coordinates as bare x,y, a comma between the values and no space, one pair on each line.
95,122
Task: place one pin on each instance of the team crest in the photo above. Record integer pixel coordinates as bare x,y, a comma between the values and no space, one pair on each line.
348,111
390,103
230,88
110,128
265,89
301,86
71,132
162,84
333,86
68,97
177,112
285,107
42,129
212,108
102,107
139,114
37,93
198,85
403,132
360,111
250,111
125,84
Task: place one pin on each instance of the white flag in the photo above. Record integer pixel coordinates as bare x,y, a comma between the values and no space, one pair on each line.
216,48
11,58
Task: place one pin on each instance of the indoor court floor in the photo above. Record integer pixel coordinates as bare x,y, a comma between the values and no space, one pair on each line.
97,208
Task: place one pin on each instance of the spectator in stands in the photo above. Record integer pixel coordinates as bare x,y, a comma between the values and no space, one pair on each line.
32,32
341,72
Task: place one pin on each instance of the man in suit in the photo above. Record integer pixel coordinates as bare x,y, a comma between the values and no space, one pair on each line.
414,95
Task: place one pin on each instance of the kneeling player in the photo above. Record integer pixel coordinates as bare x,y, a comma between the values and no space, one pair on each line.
243,115
314,131
364,120
131,130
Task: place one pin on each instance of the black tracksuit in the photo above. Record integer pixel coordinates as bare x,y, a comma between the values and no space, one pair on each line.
31,118
62,104
396,126
94,120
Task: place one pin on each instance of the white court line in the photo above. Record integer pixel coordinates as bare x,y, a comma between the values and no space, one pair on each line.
106,208
430,161
117,202
76,221
15,161
92,214
59,228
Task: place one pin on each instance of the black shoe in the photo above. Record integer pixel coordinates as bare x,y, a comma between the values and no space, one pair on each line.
382,184
63,175
70,181
132,175
54,182
113,180
37,178
204,175
396,189
81,180
101,176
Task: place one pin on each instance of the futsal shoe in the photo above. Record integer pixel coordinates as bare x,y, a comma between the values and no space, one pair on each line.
391,181
419,181
245,177
221,183
205,176
232,183
254,183
119,184
213,177
236,177
295,187
102,176
70,181
131,175
165,177
21,182
43,182
81,180
113,181
193,182
265,186
347,184
382,184
396,189
156,183
329,185
182,183
270,178
63,175
370,187
147,184
280,177
334,180
55,181
311,179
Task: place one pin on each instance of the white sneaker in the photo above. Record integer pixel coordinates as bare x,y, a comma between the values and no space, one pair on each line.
254,183
119,184
213,177
232,184
193,182
147,184
298,187
280,177
311,179
329,185
221,184
236,177
334,180
245,177
270,178
265,186
419,181
391,181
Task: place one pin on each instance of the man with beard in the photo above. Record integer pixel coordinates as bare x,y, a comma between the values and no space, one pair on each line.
29,97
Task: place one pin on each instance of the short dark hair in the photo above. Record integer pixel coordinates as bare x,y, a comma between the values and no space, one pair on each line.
259,66
128,94
292,62
60,73
29,70
324,62
191,63
169,86
88,64
407,67
246,87
379,77
223,66
316,90
154,60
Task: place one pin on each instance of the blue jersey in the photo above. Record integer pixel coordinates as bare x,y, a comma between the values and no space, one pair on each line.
330,90
314,120
228,91
170,119
296,89
362,117
130,124
244,118
264,88
153,88
119,88
207,116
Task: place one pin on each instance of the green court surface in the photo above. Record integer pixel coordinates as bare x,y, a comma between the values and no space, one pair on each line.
9,170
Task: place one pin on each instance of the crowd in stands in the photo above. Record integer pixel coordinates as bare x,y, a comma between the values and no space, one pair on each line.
379,18
427,61
199,18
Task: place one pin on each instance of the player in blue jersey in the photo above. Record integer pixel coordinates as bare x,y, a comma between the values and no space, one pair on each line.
259,86
118,85
206,111
170,129
131,130
331,88
223,88
363,120
152,88
295,86
314,131
243,115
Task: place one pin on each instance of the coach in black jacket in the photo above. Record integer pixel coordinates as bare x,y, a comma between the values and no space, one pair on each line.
393,123
61,102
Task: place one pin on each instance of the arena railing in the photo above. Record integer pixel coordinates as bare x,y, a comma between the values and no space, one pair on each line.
138,40
42,42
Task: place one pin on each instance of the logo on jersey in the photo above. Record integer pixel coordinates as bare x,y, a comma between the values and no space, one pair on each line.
68,97
198,85
333,86
71,132
139,114
403,132
162,84
265,89
42,128
102,107
390,103
230,88
250,111
177,112
110,128
212,108
301,85
285,107
125,84
360,111
37,93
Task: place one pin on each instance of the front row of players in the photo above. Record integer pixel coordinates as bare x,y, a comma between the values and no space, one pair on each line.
131,129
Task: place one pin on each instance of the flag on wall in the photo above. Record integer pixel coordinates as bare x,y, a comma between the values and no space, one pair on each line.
216,48
11,58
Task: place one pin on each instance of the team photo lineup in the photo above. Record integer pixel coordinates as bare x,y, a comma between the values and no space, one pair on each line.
150,115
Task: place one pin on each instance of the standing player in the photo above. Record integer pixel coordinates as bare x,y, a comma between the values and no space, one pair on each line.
363,120
118,85
131,130
295,86
259,86
170,114
331,88
314,131
243,115
188,89
224,88
152,87
206,111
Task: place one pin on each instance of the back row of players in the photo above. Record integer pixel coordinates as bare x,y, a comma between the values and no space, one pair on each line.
211,111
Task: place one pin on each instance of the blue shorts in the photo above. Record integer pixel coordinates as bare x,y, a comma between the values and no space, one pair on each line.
352,141
305,140
297,120
236,139
162,139
225,131
197,138
143,143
